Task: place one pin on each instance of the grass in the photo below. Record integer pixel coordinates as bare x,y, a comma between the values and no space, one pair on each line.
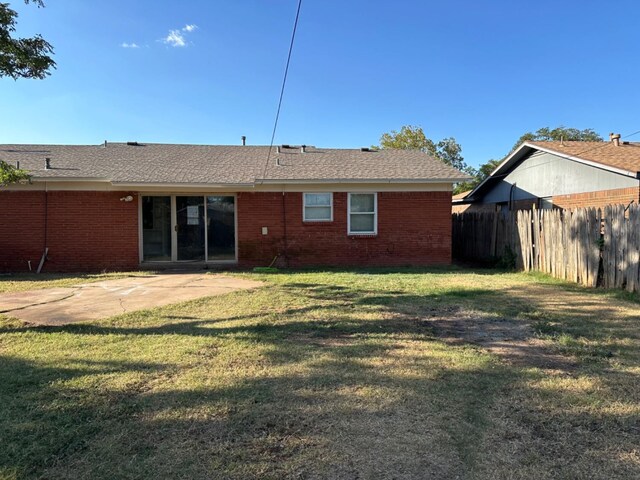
333,374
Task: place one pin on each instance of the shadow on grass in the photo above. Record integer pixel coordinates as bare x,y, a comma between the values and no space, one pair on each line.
364,405
54,427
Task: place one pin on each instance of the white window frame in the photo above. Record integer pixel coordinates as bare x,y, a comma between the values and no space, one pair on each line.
375,213
304,207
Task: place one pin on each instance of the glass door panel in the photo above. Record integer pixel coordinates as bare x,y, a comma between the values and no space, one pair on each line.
190,228
156,229
221,228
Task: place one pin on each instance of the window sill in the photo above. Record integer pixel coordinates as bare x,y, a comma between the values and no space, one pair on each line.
317,222
362,235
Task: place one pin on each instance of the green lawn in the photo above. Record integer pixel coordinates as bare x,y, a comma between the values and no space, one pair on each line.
406,374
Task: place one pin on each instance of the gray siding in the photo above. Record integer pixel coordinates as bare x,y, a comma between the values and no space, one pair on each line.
544,175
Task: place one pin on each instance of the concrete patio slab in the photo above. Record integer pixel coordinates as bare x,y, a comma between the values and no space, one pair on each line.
93,301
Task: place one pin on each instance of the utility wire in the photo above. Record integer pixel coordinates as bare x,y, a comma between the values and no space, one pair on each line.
604,144
284,82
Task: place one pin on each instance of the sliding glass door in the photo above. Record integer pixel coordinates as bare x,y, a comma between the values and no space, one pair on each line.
221,228
156,229
188,228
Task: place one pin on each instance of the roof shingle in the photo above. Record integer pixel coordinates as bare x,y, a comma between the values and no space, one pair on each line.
208,164
626,156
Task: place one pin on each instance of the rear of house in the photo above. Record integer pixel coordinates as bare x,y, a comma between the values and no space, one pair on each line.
563,175
127,206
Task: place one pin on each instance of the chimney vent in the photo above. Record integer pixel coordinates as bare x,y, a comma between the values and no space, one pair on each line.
615,138
244,141
303,149
47,163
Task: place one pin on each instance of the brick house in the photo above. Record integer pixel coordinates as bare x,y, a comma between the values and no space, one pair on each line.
560,175
124,206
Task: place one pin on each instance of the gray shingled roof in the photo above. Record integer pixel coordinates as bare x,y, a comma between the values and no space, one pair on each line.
208,164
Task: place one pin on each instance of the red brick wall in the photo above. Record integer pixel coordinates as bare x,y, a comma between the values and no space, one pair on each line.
86,231
414,228
93,231
597,199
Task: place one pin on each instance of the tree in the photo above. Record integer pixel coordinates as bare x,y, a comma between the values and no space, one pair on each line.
22,57
10,174
408,138
413,138
487,168
546,134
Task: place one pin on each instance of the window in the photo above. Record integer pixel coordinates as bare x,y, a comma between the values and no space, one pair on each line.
317,207
363,214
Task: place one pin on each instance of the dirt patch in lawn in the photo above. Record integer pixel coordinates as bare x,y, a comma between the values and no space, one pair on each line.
511,339
518,339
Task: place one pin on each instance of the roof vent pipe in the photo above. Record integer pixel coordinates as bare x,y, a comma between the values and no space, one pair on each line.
303,149
47,163
17,164
278,149
615,138
244,141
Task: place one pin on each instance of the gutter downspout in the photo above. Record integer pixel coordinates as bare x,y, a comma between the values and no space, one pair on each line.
46,218
284,226
511,196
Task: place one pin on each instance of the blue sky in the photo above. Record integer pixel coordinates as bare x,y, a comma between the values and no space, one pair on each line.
482,72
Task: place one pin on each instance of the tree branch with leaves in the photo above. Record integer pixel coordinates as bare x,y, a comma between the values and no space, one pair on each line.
10,174
22,57
448,150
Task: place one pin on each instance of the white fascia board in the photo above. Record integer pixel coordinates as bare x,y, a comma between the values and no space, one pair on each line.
518,150
497,169
353,180
69,179
190,186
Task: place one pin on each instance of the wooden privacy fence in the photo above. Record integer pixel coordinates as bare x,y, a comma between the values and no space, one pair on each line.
590,246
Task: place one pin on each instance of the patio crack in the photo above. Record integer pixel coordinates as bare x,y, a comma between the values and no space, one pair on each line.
124,310
42,303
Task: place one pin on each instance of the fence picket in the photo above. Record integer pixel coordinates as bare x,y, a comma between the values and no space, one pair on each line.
588,246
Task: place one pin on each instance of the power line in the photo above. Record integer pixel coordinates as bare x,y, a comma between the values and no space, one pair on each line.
604,144
284,82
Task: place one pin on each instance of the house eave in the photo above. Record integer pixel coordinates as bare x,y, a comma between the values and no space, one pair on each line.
35,178
516,154
591,163
181,185
288,181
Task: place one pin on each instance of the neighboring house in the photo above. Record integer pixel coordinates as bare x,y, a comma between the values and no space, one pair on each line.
127,205
457,206
560,175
